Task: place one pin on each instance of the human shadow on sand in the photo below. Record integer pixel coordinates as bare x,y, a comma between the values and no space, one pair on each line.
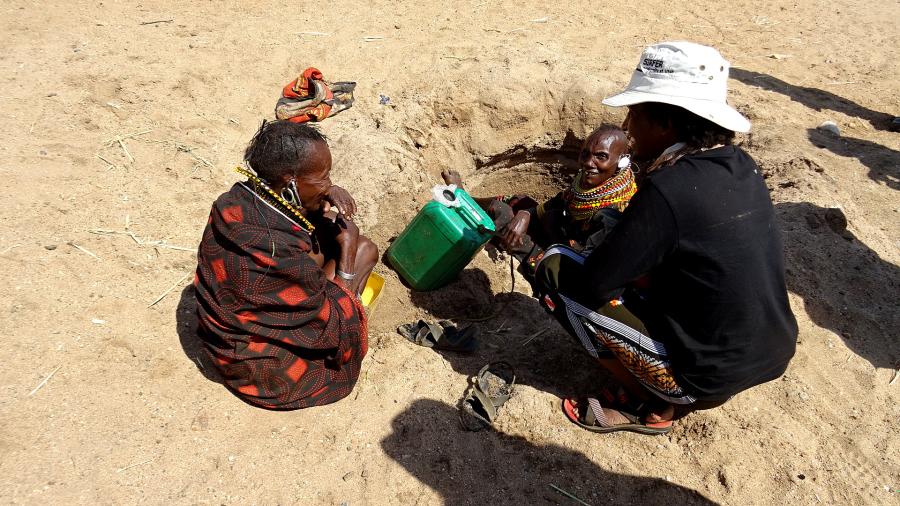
883,162
514,328
813,98
488,467
846,287
186,321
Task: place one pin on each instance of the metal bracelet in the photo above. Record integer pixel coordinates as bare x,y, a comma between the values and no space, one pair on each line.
345,276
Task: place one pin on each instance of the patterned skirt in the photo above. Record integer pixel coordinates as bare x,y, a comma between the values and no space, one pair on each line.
611,331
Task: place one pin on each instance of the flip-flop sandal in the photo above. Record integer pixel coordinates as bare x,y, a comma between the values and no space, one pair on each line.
490,389
343,96
443,336
594,419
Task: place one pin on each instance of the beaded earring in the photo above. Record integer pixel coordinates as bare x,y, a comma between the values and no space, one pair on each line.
259,183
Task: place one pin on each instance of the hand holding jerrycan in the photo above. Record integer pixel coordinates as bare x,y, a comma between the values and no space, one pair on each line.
441,240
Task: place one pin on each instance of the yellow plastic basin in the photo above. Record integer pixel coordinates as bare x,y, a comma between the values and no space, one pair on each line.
372,291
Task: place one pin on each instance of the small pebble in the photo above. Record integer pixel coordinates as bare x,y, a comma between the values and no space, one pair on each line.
52,94
830,127
50,247
348,476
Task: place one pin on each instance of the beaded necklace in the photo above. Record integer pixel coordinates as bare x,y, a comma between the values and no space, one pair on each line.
273,197
614,192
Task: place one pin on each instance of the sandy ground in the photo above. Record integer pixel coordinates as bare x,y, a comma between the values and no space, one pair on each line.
493,90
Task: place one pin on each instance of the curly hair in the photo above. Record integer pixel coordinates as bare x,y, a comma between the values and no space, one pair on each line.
279,147
696,132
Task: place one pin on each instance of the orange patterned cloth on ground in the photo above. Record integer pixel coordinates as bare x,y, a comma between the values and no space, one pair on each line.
311,98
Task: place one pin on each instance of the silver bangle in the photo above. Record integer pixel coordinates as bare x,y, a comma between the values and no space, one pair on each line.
345,276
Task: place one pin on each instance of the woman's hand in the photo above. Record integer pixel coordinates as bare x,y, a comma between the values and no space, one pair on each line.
341,198
512,234
348,240
347,234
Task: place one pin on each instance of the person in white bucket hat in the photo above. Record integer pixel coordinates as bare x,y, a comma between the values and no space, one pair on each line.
684,303
686,75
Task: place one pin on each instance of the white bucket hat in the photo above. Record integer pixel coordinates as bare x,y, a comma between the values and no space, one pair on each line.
686,75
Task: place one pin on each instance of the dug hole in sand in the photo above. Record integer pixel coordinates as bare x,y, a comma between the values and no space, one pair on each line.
112,125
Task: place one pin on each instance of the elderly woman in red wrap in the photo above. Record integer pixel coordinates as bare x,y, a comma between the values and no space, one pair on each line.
280,267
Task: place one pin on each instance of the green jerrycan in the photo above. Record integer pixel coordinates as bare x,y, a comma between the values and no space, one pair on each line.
441,240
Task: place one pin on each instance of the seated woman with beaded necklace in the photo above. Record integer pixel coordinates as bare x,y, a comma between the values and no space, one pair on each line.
280,267
580,216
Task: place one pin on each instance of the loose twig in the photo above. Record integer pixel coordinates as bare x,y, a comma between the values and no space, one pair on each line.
161,297
160,244
123,469
157,22
120,140
127,136
83,250
44,381
567,494
140,242
532,336
125,149
189,150
111,165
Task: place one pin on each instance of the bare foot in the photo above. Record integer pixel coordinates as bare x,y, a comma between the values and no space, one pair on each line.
615,417
452,177
665,414
658,413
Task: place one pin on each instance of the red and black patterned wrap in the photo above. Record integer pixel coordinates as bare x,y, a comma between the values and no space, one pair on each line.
280,333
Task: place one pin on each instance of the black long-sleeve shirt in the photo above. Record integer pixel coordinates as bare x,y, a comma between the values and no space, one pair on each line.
704,229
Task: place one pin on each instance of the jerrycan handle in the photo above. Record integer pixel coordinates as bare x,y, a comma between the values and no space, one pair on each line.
445,195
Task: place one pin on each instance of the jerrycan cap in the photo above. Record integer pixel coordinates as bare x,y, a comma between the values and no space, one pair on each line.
445,195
